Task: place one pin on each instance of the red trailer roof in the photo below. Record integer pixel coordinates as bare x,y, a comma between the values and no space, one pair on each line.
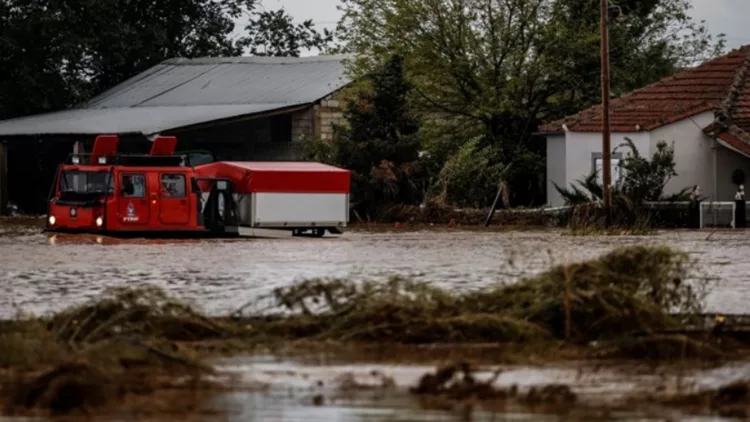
288,177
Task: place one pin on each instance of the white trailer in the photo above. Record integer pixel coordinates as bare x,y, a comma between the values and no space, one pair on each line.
303,197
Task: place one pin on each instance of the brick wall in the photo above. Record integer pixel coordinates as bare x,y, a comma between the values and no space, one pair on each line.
329,112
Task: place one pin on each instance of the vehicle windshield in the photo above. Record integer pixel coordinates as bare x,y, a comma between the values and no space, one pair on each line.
86,182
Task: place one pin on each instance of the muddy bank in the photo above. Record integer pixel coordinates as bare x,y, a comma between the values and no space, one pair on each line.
313,386
64,365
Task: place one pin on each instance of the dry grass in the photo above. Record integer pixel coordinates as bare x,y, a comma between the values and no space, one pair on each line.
633,290
145,312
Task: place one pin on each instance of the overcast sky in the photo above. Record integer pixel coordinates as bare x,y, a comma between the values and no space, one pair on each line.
727,16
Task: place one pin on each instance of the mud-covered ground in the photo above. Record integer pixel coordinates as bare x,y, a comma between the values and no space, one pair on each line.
324,388
42,273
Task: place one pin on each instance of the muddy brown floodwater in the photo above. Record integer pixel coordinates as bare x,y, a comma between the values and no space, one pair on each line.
41,273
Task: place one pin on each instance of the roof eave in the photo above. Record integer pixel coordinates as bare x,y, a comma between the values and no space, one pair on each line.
547,133
728,134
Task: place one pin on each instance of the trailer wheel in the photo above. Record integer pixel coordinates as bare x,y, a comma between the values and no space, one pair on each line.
319,232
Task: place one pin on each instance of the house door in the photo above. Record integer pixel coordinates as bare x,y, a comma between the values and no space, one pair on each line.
133,205
174,204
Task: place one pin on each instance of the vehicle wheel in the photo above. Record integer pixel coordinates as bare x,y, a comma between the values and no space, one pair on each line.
319,232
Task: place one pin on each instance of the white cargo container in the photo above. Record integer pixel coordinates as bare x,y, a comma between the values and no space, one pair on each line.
297,196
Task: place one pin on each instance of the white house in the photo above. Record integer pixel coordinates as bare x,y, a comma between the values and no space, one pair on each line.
704,111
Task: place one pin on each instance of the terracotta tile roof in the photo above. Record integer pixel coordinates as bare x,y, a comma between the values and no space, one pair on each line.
730,135
717,85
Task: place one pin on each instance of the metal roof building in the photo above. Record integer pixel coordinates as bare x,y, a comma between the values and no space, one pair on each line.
242,108
180,93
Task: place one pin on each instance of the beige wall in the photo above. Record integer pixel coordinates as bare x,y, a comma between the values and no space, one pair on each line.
693,154
555,169
583,148
318,121
329,112
698,160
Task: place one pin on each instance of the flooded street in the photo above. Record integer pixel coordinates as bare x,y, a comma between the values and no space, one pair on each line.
40,273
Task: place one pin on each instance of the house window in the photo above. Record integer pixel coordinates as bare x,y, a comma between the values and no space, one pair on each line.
597,166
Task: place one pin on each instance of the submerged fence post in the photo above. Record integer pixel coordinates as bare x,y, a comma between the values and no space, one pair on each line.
694,215
3,179
494,206
566,303
740,214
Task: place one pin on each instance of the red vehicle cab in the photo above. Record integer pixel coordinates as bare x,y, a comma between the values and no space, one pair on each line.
163,194
105,192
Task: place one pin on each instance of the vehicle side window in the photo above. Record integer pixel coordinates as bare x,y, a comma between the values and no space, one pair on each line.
173,186
133,185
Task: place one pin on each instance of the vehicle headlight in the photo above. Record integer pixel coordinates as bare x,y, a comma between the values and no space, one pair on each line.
52,220
99,221
102,160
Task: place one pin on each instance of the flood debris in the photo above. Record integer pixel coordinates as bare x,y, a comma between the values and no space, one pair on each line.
457,387
90,384
68,387
142,311
457,382
620,302
125,349
731,400
552,394
399,311
375,381
655,347
436,213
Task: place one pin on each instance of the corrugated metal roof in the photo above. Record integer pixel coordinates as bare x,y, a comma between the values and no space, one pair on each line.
146,120
184,92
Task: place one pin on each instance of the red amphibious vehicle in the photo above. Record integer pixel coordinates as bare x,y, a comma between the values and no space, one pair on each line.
162,194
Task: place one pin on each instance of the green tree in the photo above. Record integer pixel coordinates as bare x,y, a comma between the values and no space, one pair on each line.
651,39
55,54
471,177
273,33
380,142
498,68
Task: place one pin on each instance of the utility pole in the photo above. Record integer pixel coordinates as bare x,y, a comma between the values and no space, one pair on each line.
3,178
606,149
